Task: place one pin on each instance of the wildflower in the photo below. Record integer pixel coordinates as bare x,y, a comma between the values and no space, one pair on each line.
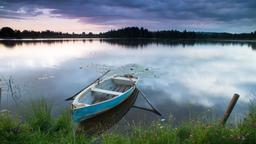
243,138
162,120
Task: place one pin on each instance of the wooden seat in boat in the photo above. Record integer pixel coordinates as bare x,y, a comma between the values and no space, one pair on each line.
125,79
106,91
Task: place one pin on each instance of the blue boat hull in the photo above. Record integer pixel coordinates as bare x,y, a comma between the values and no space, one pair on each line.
93,110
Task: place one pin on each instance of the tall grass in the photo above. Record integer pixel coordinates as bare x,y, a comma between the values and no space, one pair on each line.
38,126
192,132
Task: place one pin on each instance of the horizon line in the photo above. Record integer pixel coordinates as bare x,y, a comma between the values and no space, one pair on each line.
132,27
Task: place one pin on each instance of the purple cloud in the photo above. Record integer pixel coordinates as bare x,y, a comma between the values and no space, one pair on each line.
215,15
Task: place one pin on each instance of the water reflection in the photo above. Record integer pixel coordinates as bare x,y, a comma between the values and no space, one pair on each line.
128,43
143,43
106,120
11,43
253,45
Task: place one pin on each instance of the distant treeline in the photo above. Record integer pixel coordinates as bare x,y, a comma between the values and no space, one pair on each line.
7,32
129,32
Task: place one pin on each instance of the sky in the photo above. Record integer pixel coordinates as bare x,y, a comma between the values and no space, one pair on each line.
235,16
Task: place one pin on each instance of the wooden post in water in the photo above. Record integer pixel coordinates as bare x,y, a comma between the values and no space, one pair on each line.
229,109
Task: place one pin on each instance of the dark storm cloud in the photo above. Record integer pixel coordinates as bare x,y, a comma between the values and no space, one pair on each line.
144,11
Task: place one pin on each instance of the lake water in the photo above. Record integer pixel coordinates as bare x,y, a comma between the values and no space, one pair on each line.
183,78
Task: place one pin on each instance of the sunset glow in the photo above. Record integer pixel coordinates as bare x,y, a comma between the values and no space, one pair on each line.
47,21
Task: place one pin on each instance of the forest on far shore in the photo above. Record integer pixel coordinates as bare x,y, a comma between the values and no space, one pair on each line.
128,32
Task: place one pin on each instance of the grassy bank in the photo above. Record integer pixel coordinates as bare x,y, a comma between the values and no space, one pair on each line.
40,127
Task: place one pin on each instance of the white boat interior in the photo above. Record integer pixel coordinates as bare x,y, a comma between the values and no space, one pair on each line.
104,90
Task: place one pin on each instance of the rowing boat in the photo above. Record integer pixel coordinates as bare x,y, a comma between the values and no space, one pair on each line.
102,95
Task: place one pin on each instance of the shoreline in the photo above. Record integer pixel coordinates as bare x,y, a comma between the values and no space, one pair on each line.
99,38
40,127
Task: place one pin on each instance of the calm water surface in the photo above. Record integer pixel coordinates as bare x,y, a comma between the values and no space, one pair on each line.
182,78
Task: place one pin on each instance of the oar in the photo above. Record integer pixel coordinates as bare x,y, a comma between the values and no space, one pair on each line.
146,109
72,98
154,109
